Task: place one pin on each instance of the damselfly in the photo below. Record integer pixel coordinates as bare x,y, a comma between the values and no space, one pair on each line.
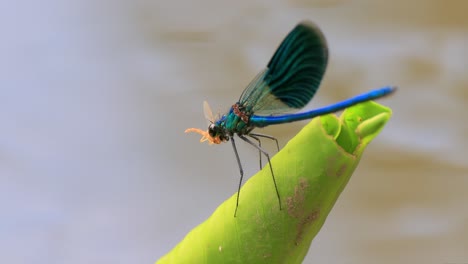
287,84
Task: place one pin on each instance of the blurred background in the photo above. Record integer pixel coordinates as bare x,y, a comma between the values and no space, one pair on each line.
95,97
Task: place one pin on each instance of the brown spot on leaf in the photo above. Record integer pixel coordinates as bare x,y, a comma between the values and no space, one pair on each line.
341,170
295,203
332,164
297,209
304,223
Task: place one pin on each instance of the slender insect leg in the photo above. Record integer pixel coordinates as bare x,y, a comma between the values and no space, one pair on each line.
259,152
271,168
266,136
241,173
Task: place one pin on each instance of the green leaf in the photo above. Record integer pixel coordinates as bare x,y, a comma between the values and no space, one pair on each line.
311,171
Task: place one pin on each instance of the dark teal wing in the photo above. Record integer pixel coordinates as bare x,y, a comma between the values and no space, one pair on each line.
293,74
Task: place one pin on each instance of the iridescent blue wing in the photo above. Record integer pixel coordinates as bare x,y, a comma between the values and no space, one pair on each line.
292,76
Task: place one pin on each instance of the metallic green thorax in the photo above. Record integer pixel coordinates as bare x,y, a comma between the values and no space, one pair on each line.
236,121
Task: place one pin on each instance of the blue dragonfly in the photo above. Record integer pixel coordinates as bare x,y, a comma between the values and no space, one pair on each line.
287,84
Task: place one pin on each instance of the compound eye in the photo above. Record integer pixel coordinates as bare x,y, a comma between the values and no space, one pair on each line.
212,130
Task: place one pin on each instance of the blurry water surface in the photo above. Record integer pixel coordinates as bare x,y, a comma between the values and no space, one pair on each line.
95,96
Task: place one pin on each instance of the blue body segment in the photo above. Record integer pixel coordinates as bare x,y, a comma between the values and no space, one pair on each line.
262,121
